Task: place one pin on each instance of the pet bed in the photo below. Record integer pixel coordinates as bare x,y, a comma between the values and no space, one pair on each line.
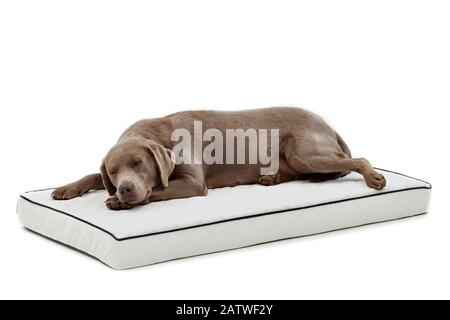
227,218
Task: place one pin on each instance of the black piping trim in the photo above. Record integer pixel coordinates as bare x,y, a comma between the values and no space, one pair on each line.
39,190
69,215
237,218
404,175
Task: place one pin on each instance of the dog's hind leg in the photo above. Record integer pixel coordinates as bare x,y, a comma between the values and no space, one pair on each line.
308,157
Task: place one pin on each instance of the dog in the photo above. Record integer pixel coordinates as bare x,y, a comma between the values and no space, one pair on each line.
141,169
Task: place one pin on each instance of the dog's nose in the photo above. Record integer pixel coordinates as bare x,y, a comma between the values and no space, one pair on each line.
126,189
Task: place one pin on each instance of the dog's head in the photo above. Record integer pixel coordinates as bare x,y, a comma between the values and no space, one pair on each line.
134,167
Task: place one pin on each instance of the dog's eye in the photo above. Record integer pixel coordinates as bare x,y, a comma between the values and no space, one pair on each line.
136,163
112,173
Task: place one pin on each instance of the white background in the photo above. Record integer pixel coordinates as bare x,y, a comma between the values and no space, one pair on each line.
74,74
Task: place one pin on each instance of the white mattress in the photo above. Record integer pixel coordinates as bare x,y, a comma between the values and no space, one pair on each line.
227,218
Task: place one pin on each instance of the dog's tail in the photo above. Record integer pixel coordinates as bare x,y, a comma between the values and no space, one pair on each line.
343,145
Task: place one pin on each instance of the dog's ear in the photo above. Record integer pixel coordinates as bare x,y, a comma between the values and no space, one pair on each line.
106,181
165,160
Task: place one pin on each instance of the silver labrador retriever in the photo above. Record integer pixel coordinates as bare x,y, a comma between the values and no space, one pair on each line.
140,169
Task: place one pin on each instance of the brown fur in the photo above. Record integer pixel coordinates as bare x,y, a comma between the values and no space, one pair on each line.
139,170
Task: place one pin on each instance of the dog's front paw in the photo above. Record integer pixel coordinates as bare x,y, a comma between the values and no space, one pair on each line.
269,180
67,192
114,203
